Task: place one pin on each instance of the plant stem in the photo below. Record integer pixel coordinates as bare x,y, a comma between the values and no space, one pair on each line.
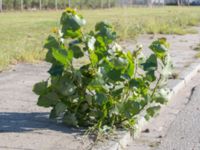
156,87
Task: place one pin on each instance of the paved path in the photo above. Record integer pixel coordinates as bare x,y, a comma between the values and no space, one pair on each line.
24,125
178,125
184,133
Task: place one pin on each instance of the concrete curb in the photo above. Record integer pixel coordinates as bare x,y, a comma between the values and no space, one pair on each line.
175,86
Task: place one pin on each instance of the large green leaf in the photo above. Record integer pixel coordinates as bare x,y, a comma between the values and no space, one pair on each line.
56,69
49,99
97,84
115,75
65,86
49,57
60,108
160,47
105,30
168,67
151,63
71,24
77,52
62,56
70,119
72,21
53,114
51,42
131,108
40,88
102,25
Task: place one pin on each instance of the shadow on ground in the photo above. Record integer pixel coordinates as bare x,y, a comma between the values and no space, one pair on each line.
26,122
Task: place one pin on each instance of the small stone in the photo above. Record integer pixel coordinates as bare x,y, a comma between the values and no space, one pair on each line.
146,131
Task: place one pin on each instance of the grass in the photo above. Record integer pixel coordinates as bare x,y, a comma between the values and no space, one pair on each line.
22,34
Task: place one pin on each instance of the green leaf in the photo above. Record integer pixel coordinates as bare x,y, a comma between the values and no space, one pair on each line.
49,57
56,69
77,51
101,98
93,58
131,108
62,56
70,119
65,86
71,24
60,108
72,34
106,31
53,114
47,100
102,25
160,47
72,21
167,68
114,75
151,111
40,88
119,63
51,42
150,76
97,84
161,96
151,63
117,91
130,69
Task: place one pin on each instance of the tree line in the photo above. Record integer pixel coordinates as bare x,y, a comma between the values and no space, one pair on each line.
59,4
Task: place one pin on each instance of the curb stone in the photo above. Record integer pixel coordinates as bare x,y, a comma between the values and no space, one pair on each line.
175,86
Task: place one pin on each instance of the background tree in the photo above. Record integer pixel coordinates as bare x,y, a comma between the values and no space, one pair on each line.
1,5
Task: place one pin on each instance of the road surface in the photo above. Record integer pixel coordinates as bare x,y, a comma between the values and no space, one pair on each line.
178,125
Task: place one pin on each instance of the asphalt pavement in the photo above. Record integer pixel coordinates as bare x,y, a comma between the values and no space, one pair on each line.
184,132
178,125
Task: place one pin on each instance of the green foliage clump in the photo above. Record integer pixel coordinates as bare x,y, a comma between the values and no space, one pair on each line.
112,89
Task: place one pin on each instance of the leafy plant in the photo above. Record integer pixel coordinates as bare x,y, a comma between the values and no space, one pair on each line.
112,89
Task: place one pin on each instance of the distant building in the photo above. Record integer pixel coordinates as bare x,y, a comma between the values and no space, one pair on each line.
163,2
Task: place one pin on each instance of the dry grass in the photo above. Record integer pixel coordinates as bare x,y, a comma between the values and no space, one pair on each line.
22,34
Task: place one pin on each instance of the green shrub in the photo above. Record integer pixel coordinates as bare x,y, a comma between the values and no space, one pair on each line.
112,89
